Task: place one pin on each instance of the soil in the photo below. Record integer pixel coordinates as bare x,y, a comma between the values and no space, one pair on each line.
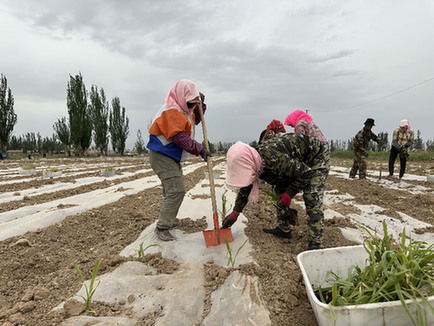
38,268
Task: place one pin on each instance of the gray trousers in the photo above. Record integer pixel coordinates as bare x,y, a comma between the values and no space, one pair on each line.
172,180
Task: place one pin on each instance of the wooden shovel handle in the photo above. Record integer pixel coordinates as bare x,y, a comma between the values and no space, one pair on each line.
211,176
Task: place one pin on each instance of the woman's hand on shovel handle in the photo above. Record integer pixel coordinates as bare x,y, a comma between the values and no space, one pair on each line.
205,154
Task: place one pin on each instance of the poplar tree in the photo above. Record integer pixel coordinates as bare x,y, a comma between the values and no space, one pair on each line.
61,127
80,120
119,129
8,117
140,143
99,109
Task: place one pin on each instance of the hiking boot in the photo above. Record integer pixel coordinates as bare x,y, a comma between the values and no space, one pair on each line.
352,176
390,177
279,233
163,234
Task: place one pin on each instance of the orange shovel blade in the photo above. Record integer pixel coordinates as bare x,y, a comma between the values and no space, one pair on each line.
217,236
211,238
225,233
214,237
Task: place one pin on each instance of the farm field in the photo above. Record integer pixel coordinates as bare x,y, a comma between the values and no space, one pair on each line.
49,225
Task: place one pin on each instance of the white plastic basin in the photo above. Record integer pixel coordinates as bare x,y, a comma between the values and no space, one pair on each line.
314,265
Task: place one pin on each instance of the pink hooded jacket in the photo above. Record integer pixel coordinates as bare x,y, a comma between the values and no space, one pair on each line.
297,115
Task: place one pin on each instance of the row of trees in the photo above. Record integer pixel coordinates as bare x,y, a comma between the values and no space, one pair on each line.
89,118
31,142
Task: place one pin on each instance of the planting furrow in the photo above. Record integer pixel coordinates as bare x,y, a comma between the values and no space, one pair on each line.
64,190
70,175
31,218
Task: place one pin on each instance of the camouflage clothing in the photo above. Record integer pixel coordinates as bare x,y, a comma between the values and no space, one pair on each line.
361,142
401,142
294,163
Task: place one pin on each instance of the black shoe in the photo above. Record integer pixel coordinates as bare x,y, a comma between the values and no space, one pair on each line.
313,246
279,233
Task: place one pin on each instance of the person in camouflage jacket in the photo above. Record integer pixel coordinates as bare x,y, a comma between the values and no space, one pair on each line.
290,163
361,141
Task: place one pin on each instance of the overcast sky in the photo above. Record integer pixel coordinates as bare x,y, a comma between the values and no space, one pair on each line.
255,61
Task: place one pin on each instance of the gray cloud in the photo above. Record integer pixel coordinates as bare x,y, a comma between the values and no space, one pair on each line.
254,61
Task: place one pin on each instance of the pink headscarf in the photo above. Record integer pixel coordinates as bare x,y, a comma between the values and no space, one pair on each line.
183,91
405,123
243,167
294,117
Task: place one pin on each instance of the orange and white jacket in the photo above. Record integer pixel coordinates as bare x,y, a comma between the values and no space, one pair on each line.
167,123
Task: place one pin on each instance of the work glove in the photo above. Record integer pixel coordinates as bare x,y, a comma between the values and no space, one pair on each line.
205,154
365,154
407,145
230,220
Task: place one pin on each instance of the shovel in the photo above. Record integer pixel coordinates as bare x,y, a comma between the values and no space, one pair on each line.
216,236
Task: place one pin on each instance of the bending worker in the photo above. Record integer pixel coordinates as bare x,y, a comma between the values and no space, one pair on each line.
290,163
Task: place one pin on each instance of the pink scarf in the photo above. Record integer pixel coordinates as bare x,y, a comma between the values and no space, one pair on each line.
404,123
183,91
297,115
243,168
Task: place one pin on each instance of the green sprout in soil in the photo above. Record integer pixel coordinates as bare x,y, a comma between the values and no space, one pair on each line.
271,196
28,167
224,210
231,259
109,169
391,275
51,170
141,251
90,290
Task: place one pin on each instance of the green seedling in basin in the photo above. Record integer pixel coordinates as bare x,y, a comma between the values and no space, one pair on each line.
224,210
51,170
91,288
28,167
141,251
231,259
406,273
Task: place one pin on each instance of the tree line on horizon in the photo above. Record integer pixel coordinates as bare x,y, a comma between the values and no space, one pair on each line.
90,118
